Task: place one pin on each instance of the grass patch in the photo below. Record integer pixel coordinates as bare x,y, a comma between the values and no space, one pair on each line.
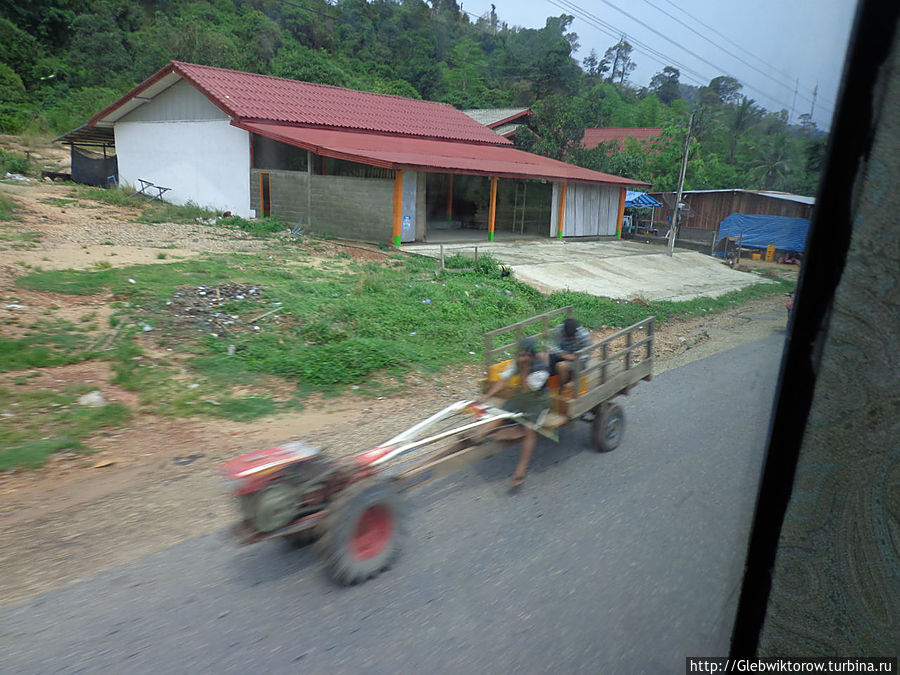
175,213
8,208
57,201
43,423
259,227
324,330
44,344
11,162
117,196
19,239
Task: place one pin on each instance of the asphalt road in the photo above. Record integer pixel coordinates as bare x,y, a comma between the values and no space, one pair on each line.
623,563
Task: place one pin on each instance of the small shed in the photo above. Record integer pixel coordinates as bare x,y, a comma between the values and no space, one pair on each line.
703,211
93,157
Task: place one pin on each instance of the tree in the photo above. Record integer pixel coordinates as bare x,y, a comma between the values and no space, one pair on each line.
665,84
742,117
619,58
594,66
727,89
558,122
772,160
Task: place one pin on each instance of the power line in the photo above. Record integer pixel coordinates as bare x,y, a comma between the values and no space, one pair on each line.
726,38
719,46
682,47
615,33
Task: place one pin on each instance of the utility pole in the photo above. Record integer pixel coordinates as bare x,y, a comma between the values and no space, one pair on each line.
673,231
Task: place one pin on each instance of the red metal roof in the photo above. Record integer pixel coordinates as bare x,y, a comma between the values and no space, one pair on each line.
394,152
249,96
594,137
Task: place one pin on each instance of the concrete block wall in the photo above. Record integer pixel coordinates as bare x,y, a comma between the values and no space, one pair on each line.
288,194
344,207
353,208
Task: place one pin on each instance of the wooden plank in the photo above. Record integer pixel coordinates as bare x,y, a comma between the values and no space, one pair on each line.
605,391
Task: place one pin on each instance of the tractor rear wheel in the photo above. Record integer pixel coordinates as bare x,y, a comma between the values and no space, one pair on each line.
362,531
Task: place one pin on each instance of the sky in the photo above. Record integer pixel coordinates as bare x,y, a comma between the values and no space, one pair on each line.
771,46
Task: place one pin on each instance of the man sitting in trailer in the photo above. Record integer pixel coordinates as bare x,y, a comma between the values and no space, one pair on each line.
568,338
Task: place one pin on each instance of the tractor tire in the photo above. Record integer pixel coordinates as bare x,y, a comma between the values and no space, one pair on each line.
274,507
608,427
361,535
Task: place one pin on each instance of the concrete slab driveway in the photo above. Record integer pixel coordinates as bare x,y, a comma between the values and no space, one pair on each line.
608,268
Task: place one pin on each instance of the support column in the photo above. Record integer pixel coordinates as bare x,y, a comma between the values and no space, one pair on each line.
309,175
492,212
398,205
620,218
450,199
562,211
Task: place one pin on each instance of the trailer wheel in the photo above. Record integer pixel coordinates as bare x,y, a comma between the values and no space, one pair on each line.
362,531
608,427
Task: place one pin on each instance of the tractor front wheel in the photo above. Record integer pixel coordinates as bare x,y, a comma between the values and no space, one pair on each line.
362,531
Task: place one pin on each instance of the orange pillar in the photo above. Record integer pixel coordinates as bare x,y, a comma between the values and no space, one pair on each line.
450,199
621,216
398,205
492,212
562,210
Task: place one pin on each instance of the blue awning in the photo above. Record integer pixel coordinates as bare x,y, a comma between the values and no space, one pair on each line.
635,199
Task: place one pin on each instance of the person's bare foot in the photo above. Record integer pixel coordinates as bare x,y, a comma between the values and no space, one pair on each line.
517,480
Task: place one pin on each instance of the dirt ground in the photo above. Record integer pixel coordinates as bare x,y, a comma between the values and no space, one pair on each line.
153,484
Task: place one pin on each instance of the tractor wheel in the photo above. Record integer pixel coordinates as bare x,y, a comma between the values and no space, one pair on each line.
362,531
608,427
275,507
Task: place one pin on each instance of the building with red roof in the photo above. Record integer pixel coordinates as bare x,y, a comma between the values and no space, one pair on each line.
617,135
347,163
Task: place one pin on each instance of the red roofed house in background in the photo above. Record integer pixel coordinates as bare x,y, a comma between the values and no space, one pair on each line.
350,164
644,135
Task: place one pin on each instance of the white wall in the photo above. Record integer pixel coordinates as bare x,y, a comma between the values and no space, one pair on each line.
204,162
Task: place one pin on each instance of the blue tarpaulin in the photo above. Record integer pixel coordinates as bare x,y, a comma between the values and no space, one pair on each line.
788,234
635,199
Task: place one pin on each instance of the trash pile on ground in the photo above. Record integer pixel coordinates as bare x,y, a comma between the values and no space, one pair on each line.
226,308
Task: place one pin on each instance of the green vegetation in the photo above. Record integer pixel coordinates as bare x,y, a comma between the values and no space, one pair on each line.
261,227
175,213
45,343
39,423
11,162
337,329
240,328
118,196
61,61
7,208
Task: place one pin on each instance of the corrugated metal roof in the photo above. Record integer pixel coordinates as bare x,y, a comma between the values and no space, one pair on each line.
249,96
85,135
394,152
493,117
787,196
594,137
508,130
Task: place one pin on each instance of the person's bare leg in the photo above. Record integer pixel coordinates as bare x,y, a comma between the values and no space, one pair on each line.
564,370
528,444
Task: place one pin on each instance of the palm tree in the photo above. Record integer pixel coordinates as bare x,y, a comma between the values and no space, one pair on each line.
744,116
773,159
